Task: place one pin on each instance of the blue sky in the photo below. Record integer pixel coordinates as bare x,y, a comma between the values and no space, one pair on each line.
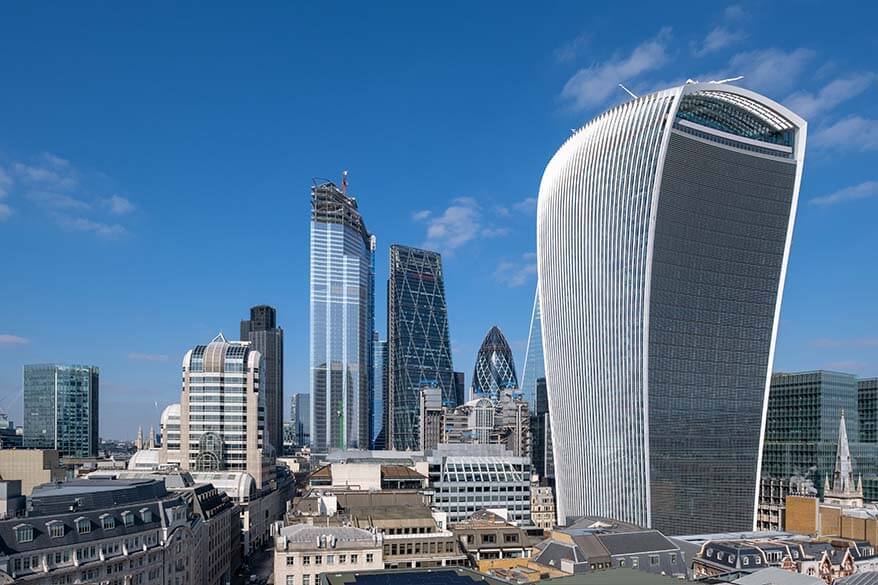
155,163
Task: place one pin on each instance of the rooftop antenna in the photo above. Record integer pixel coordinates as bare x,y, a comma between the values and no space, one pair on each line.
628,91
344,182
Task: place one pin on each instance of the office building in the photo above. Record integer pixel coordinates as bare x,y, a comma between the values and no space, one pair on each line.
663,232
222,410
120,531
300,414
418,342
379,392
342,320
61,409
459,388
10,437
495,368
302,552
267,338
467,478
541,429
534,368
505,421
430,418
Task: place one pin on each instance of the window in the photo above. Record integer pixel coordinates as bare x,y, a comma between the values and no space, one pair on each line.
369,557
56,529
306,579
108,522
635,562
746,561
330,559
353,558
709,552
128,519
342,559
510,538
291,580
306,560
24,533
318,560
83,525
653,560
673,558
146,515
291,560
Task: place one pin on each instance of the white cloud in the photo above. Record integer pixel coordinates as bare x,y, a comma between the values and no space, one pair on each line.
147,357
56,201
851,133
717,39
48,171
769,70
421,215
592,86
735,12
5,212
460,223
526,205
86,225
864,190
9,339
809,105
119,205
517,273
456,226
5,183
571,49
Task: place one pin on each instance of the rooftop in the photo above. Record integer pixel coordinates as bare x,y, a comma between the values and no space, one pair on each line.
439,576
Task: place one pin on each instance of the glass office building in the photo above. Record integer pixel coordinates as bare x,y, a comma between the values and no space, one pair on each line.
495,368
342,321
267,338
534,369
61,408
417,338
379,392
663,233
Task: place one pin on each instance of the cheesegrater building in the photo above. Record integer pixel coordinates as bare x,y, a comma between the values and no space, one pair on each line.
663,229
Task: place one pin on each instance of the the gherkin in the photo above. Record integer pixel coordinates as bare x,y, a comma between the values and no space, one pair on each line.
495,368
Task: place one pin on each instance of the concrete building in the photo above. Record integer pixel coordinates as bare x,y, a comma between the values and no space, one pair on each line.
486,536
222,411
61,408
683,202
119,531
430,418
302,552
503,419
772,500
267,338
32,467
542,506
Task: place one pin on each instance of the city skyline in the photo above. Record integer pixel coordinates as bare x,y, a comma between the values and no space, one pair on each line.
155,178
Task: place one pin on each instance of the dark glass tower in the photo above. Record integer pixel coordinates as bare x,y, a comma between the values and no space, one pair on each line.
61,409
342,321
379,392
300,415
267,338
495,368
418,342
543,459
460,387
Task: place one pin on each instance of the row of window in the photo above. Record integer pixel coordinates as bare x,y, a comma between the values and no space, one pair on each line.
331,559
56,528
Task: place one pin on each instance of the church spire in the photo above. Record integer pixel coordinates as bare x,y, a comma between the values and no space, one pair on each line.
138,442
844,489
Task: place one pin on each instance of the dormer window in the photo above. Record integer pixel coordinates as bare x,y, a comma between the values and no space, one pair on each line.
83,525
128,519
108,522
56,529
146,515
24,533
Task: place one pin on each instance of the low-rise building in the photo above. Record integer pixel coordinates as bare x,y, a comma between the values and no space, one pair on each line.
542,505
595,544
303,552
116,531
486,536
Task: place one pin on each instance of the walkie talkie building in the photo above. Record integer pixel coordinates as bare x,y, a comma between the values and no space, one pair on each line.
664,227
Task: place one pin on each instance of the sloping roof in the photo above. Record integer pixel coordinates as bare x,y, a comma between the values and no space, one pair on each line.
400,472
619,576
635,542
776,576
870,578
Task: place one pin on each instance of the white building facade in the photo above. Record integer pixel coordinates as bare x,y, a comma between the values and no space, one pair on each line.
664,227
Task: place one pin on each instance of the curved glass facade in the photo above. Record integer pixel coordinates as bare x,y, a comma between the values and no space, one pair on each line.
495,369
663,232
342,318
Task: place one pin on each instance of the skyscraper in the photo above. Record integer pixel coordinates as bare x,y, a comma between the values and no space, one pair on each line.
541,428
459,388
61,408
663,233
418,343
300,415
534,368
379,392
342,318
222,410
495,369
267,338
